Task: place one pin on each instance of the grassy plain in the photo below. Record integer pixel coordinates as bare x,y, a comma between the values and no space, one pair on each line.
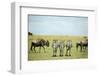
76,54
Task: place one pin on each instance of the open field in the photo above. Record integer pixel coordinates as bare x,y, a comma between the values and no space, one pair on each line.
76,54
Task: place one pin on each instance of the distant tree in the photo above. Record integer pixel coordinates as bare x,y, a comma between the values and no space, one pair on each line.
29,33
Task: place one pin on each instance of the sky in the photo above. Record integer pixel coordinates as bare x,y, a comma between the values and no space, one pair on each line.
58,25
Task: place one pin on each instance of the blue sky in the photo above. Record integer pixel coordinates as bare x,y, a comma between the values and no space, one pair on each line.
58,25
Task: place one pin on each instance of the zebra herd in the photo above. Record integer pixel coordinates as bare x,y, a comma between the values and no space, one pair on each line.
59,45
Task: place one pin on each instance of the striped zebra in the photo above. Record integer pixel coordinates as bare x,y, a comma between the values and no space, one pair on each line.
68,48
58,45
61,47
55,47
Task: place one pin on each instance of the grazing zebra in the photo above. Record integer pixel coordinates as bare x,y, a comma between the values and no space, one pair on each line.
68,48
39,43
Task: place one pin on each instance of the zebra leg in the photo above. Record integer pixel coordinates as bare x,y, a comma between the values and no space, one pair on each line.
60,52
66,52
70,52
53,52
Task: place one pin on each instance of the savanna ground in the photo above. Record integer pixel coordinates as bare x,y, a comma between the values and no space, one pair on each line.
75,54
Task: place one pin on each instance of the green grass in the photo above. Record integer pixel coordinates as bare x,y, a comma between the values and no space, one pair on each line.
48,55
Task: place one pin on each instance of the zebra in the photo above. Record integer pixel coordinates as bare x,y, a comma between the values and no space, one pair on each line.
58,45
55,47
68,48
61,47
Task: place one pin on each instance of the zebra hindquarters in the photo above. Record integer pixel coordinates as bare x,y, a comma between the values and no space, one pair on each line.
68,51
54,52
